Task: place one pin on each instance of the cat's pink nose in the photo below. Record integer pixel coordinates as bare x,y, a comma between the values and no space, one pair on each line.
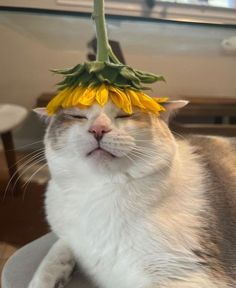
99,130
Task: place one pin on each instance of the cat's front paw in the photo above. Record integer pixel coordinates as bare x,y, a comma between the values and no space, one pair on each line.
56,268
54,276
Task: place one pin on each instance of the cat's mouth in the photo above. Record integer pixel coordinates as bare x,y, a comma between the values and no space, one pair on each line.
99,151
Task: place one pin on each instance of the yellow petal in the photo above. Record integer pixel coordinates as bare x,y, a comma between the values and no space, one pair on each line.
150,104
120,99
67,102
102,95
160,100
133,95
116,100
76,94
88,97
57,101
84,97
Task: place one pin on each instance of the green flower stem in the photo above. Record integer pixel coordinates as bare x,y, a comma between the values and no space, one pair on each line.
113,56
102,40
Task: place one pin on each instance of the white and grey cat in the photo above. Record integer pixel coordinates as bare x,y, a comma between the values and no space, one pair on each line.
136,207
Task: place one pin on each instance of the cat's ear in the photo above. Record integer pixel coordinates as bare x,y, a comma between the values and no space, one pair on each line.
42,113
172,108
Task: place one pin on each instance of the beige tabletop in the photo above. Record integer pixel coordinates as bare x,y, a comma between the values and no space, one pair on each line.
11,115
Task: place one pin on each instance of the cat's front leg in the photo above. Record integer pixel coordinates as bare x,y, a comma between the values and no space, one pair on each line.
56,268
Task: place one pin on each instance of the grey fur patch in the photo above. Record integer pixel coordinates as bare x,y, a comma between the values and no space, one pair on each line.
218,156
56,129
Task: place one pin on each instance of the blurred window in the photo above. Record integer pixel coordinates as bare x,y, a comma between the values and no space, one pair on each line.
211,3
205,11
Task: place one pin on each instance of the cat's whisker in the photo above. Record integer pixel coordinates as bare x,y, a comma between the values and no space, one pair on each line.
130,158
144,140
38,160
27,145
28,161
33,174
134,162
81,144
140,129
149,155
146,150
25,186
179,135
143,154
29,155
31,159
140,133
139,157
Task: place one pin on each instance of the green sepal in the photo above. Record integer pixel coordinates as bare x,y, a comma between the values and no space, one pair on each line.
97,72
66,71
137,85
121,81
148,77
94,66
127,73
114,65
108,75
94,82
63,82
80,69
84,79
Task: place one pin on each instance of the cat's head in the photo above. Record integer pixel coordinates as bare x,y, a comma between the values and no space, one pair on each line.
106,139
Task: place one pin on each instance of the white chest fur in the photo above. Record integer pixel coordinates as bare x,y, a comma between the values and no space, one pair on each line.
130,234
105,233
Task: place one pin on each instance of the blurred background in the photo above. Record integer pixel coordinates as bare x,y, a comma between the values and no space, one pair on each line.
192,43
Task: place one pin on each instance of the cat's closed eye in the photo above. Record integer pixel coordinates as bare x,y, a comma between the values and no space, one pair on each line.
124,116
71,116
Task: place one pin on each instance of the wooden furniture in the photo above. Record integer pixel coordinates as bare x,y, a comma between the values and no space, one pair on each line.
44,99
10,117
207,115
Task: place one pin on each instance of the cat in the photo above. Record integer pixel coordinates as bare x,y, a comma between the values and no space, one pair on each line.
135,206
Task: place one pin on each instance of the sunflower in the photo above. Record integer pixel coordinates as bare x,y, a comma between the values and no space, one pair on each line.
125,99
106,79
